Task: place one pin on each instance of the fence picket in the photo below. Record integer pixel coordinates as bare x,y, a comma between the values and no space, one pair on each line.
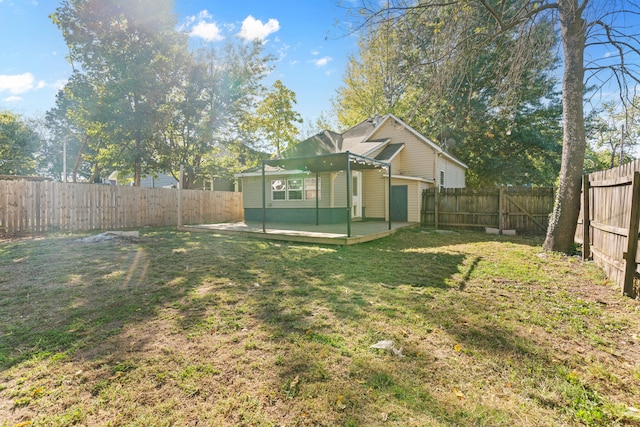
510,208
35,207
610,216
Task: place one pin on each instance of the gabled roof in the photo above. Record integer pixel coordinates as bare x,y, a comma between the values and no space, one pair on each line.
424,139
359,140
389,152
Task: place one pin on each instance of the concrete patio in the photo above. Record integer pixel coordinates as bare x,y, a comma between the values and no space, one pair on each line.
326,234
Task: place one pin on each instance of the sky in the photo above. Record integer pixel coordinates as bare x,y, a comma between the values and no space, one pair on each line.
308,39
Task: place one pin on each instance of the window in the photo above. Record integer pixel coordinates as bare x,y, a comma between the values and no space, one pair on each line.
310,188
441,179
294,189
278,189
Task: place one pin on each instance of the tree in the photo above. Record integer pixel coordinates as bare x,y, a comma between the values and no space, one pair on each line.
574,20
129,53
205,112
74,132
325,121
19,144
275,118
453,95
614,131
375,82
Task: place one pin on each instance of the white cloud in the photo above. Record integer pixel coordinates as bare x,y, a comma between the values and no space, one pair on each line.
207,30
321,62
254,29
12,99
315,52
16,83
202,26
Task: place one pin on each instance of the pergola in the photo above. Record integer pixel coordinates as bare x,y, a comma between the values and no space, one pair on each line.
326,163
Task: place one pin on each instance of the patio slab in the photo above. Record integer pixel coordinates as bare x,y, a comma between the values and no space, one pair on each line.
327,234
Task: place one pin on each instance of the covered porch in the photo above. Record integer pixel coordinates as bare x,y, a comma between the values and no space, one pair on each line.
324,234
336,162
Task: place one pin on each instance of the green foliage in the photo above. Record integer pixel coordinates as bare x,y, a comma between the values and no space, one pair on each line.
613,134
275,119
141,103
19,142
205,113
127,53
481,97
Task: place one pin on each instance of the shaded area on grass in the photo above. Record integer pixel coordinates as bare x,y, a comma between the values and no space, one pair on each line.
226,330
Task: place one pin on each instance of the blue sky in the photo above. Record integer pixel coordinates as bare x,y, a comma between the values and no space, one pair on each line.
308,38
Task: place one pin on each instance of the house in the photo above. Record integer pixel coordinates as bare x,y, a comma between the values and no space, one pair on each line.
333,178
161,180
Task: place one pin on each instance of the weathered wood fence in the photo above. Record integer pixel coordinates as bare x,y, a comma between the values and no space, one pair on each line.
523,209
608,223
38,207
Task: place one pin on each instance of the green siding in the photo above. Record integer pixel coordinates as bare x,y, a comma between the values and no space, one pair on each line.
297,215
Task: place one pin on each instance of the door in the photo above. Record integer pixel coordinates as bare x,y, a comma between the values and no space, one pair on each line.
356,194
399,203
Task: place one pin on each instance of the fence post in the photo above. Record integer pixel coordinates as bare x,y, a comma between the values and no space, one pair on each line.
437,201
180,196
500,213
632,239
586,218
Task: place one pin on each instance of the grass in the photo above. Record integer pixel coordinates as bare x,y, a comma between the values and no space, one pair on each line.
185,329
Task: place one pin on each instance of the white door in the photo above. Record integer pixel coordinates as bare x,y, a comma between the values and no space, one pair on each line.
356,191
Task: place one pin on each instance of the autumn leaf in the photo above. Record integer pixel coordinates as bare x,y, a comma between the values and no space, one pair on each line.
458,393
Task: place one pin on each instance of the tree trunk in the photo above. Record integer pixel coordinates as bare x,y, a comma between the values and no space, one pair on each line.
564,219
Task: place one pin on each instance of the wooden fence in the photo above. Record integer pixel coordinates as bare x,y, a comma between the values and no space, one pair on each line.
609,229
37,207
523,209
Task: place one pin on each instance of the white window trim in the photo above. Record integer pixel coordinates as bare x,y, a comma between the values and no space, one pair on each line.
303,189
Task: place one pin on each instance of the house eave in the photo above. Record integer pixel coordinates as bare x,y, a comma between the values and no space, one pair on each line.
410,178
270,173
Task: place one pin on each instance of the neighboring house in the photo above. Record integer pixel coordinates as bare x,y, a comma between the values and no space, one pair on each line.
285,190
162,180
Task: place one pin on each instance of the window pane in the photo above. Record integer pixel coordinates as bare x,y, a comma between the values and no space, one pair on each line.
295,184
295,194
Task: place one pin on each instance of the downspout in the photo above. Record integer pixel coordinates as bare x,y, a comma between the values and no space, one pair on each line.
317,199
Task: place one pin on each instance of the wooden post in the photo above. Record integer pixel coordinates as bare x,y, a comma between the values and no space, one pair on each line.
436,199
586,218
180,195
500,214
632,239
349,195
264,201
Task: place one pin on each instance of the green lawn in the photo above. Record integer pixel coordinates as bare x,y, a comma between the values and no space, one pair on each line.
177,329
